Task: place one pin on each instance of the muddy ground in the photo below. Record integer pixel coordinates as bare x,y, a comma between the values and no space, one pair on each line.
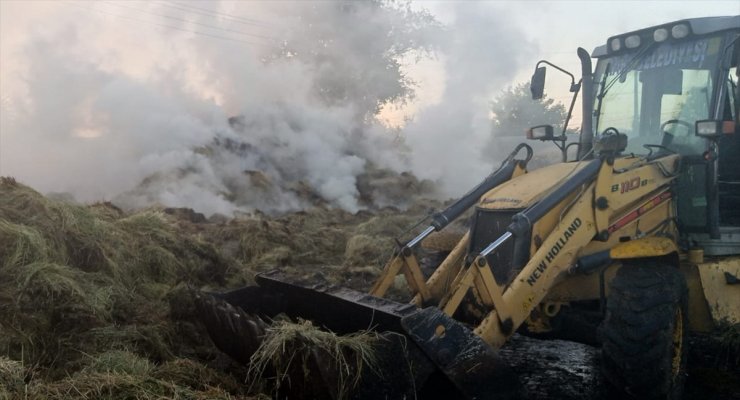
95,301
557,369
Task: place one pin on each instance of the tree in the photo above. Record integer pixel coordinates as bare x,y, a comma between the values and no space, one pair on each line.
514,112
354,50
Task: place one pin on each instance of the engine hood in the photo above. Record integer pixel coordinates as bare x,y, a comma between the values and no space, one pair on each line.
525,190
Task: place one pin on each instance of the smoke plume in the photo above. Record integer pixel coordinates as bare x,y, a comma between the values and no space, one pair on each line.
228,106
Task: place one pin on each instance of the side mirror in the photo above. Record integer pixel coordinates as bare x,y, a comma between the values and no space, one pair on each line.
541,132
537,84
713,129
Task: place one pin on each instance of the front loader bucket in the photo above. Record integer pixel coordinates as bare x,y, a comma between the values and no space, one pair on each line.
239,334
339,309
473,366
235,322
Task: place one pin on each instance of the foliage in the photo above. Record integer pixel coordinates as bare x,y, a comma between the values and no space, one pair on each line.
355,49
514,112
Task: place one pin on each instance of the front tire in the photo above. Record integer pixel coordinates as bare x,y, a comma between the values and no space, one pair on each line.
644,332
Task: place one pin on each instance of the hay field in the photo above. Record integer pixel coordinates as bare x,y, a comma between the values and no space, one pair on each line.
95,303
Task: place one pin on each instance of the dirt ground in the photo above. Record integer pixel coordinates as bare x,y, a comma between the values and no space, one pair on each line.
95,301
557,369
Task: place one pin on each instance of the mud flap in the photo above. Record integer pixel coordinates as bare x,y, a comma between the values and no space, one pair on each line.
473,366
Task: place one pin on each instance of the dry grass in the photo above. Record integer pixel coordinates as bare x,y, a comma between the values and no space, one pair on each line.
189,373
81,283
12,374
93,300
289,347
122,386
364,250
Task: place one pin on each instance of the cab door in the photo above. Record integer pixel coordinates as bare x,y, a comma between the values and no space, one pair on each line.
728,179
708,202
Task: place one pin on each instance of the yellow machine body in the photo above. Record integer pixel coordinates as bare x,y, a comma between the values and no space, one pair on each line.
626,212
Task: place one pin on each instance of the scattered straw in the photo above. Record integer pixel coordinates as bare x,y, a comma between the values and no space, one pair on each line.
120,361
11,378
365,250
92,302
286,343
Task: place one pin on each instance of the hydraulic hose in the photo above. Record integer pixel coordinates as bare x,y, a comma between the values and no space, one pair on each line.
501,175
504,172
522,222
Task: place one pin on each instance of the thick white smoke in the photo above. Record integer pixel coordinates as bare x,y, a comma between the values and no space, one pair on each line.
122,101
481,56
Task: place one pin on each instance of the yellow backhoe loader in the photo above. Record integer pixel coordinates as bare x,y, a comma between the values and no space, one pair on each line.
638,228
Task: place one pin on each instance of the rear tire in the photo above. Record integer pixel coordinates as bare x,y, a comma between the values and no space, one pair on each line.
644,333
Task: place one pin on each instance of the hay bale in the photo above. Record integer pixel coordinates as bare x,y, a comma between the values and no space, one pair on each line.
294,349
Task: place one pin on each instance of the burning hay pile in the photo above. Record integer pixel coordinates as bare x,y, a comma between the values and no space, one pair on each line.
95,300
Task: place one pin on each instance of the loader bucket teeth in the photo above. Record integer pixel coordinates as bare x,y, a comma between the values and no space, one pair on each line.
232,330
469,363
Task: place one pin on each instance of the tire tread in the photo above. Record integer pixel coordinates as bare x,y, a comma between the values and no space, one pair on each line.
637,332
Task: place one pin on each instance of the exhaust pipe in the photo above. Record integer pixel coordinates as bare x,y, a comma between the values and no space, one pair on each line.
587,99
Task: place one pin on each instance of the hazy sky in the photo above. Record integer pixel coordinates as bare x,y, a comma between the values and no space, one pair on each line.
97,95
558,28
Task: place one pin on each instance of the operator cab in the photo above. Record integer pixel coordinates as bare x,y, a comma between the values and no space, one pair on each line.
653,86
